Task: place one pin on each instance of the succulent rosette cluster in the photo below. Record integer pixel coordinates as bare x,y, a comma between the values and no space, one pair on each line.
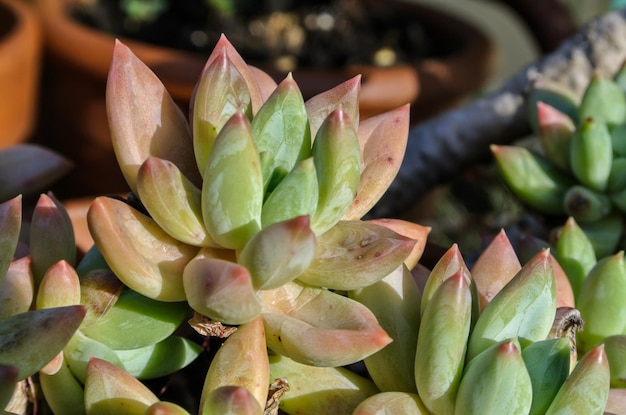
579,168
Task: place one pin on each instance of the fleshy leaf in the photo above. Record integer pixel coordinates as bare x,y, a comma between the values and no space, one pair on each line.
394,300
449,264
29,168
318,327
524,308
231,400
441,344
536,181
603,100
141,254
494,268
390,403
51,236
30,340
159,359
144,119
221,91
281,127
17,288
586,389
355,254
136,321
221,290
344,96
320,390
241,361
173,201
575,253
10,225
411,230
296,194
59,287
591,154
601,301
556,130
337,159
495,382
232,191
279,253
99,290
110,390
383,140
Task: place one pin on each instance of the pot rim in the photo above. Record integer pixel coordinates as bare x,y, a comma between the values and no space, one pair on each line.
431,79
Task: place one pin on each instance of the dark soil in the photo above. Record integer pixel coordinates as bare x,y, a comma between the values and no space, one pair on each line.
279,34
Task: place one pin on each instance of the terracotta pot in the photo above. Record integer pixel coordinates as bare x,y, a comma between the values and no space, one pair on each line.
78,58
20,50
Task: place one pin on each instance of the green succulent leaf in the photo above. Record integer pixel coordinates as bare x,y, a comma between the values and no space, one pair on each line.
141,254
81,349
441,344
532,178
337,159
556,131
618,140
591,154
173,201
30,340
232,191
297,194
601,301
319,327
390,403
615,349
281,127
603,100
617,177
449,264
524,308
355,254
221,91
586,205
548,363
241,361
166,408
553,94
279,253
335,390
136,321
586,389
394,300
111,390
62,391
575,254
605,233
159,359
495,382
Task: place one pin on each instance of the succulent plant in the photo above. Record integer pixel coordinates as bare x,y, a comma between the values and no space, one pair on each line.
578,168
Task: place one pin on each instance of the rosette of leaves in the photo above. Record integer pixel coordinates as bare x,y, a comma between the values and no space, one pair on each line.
579,169
250,206
56,313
